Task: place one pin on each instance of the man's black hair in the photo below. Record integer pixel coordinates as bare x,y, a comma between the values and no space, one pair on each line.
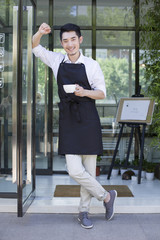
70,27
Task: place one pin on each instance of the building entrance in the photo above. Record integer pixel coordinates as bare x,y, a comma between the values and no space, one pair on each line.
17,104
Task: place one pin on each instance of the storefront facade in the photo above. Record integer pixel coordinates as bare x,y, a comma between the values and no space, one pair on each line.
28,90
110,37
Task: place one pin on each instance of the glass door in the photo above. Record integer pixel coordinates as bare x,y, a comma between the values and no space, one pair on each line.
8,78
25,106
17,104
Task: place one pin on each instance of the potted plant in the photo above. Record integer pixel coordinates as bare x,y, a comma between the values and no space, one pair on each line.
135,164
144,164
99,158
115,170
123,167
150,167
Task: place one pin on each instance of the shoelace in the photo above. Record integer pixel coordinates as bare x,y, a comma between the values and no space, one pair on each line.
85,215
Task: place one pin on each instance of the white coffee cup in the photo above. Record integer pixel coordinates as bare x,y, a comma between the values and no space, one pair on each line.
69,88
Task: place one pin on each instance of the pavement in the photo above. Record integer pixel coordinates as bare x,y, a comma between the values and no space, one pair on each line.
67,227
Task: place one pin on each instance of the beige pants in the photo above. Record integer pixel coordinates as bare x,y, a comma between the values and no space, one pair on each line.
82,168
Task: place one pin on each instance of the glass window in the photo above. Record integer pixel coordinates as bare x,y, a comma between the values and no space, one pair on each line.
41,110
115,13
146,11
6,12
41,71
149,42
115,54
75,11
115,38
42,11
3,12
86,45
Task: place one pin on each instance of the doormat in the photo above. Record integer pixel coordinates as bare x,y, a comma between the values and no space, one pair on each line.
74,190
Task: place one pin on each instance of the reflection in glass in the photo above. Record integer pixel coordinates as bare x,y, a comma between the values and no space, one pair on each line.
115,38
115,54
41,158
42,11
115,13
27,100
7,184
75,11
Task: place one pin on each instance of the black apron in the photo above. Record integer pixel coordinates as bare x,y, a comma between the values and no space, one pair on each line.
79,124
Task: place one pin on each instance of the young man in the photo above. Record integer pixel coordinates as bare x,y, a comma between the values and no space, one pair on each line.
80,137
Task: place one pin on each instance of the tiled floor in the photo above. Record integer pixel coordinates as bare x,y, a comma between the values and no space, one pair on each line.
146,197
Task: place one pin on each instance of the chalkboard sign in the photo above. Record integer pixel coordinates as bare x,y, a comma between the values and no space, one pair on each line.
135,110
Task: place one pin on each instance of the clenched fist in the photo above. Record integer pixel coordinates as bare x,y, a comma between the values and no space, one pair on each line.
44,28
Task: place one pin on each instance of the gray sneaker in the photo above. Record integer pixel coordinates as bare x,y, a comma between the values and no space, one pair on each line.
109,206
84,220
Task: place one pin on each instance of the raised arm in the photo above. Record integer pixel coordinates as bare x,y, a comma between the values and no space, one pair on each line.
43,30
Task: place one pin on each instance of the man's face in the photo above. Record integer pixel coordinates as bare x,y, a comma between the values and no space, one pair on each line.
71,43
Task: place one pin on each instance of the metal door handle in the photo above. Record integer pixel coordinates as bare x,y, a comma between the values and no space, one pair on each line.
45,117
29,94
14,97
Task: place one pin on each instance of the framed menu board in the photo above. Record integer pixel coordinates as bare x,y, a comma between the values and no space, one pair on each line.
135,110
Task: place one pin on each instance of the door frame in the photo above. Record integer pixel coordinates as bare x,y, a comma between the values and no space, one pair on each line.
23,206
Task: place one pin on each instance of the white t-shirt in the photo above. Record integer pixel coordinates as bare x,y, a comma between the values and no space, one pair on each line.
53,60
